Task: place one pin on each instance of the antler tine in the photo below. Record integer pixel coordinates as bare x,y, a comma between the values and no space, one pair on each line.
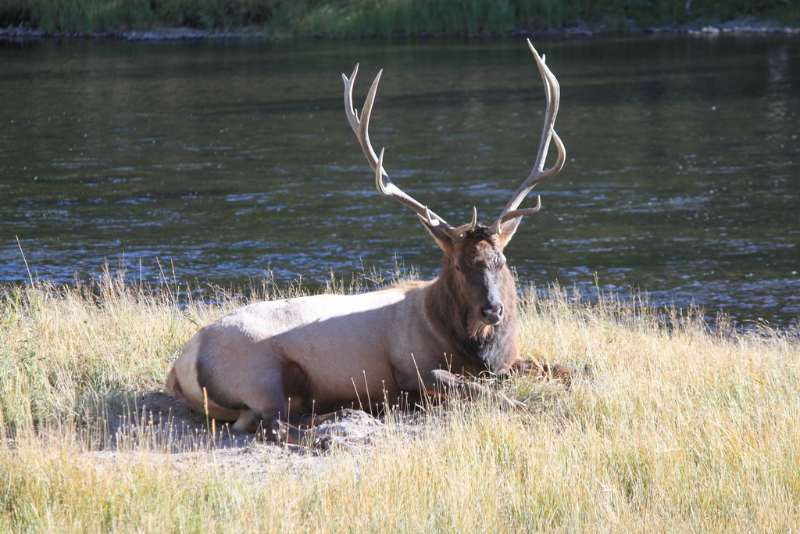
352,116
538,174
384,185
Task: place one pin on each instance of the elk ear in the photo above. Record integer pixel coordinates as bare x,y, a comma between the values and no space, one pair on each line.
507,230
444,241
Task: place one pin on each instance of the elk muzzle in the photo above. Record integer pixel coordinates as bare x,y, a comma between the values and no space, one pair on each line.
493,314
493,310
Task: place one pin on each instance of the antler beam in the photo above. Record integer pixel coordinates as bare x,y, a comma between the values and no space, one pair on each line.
538,174
384,185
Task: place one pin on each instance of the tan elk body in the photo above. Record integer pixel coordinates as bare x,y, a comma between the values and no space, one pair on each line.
270,362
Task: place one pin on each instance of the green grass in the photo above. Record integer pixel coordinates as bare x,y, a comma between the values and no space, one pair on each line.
669,426
378,17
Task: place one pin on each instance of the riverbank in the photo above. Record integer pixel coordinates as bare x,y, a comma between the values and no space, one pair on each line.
738,27
166,20
668,426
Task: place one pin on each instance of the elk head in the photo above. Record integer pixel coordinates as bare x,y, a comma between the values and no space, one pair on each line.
474,264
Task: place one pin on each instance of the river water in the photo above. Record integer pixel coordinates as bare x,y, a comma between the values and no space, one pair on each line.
218,161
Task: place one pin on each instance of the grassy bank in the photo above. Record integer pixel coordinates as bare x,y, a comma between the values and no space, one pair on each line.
667,428
379,17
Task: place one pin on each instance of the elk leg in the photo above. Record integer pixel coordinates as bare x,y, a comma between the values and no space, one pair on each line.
269,427
245,422
447,383
318,419
268,415
551,371
305,437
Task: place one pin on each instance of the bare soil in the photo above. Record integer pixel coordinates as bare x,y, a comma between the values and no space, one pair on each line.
165,423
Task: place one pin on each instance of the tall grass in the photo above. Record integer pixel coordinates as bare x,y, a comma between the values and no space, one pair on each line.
668,426
377,17
68,352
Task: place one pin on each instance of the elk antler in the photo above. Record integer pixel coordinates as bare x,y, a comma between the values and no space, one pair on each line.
382,182
552,93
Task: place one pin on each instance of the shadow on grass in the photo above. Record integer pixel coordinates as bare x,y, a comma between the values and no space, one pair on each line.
165,423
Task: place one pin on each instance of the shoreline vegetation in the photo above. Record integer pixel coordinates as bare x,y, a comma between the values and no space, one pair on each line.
669,425
209,19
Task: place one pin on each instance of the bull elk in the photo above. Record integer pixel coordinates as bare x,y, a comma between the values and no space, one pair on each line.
269,363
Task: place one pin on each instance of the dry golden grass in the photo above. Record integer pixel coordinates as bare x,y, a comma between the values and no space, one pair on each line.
668,427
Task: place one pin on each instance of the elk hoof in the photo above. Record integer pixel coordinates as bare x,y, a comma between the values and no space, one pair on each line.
322,443
277,432
557,372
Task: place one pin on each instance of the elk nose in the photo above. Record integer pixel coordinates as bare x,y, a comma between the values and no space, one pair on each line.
493,314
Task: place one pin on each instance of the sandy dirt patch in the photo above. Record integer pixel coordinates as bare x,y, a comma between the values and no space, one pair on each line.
164,424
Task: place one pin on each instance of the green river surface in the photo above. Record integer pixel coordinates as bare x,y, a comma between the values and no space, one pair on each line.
219,161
